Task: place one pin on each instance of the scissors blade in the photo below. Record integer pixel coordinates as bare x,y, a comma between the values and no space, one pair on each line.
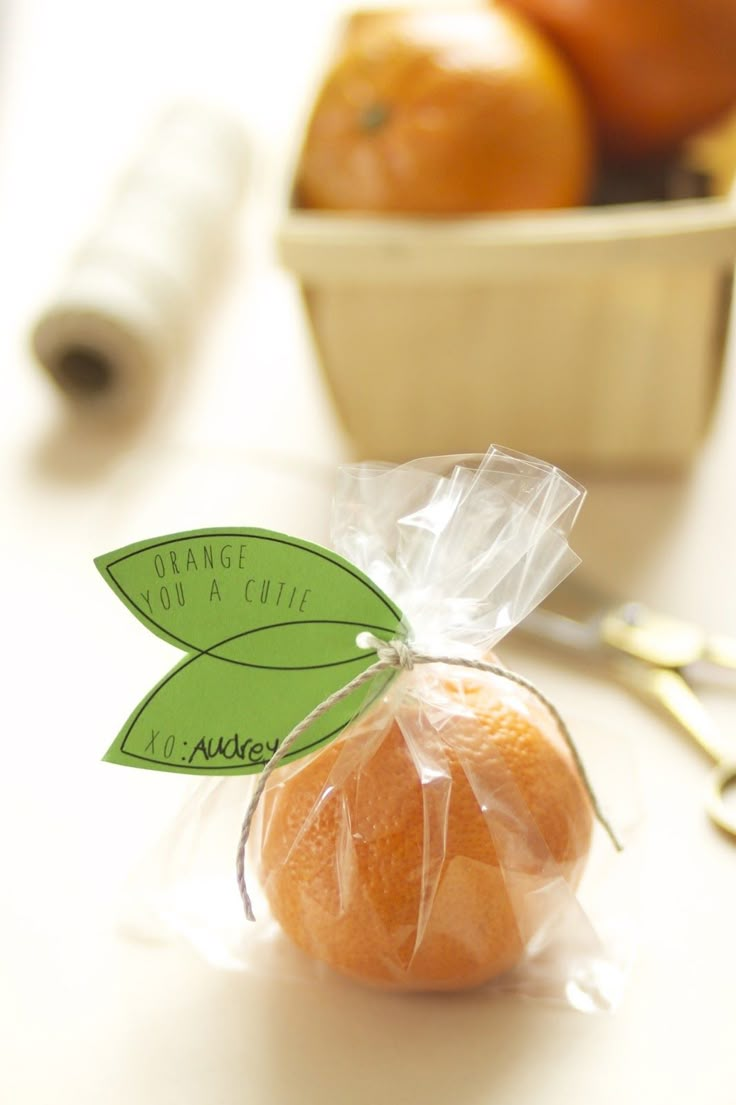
559,630
570,618
580,600
671,692
634,629
720,651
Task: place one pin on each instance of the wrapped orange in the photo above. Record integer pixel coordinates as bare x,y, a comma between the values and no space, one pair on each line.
438,842
414,852
423,820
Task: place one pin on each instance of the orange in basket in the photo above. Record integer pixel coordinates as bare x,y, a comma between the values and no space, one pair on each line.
656,71
406,882
442,112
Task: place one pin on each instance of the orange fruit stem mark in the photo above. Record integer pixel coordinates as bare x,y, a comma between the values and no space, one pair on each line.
446,112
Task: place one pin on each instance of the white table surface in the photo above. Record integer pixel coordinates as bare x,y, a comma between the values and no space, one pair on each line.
88,1017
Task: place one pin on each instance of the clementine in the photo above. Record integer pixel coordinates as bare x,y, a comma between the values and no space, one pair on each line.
446,111
424,849
656,71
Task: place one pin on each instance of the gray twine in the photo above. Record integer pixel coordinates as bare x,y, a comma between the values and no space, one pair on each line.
398,654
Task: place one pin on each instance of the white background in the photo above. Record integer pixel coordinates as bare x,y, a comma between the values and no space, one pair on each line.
86,1016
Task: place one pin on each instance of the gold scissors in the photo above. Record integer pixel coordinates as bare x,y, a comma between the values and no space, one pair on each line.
656,656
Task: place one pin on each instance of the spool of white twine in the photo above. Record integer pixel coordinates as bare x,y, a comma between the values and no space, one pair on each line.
127,301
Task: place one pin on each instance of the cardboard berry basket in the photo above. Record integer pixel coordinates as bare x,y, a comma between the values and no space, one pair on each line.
594,337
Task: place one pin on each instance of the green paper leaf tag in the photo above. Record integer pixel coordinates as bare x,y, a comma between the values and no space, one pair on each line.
269,624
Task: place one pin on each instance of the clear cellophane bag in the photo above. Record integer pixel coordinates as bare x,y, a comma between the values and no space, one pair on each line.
446,838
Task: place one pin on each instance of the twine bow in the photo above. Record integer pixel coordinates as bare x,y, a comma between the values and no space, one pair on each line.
399,654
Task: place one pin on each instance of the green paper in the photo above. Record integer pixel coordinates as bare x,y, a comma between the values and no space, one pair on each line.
269,624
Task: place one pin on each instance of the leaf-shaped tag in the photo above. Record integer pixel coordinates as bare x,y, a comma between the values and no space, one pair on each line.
270,625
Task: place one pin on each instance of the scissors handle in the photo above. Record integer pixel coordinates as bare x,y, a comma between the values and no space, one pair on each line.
721,651
666,642
673,693
719,810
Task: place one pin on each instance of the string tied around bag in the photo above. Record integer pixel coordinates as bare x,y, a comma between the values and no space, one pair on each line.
399,654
